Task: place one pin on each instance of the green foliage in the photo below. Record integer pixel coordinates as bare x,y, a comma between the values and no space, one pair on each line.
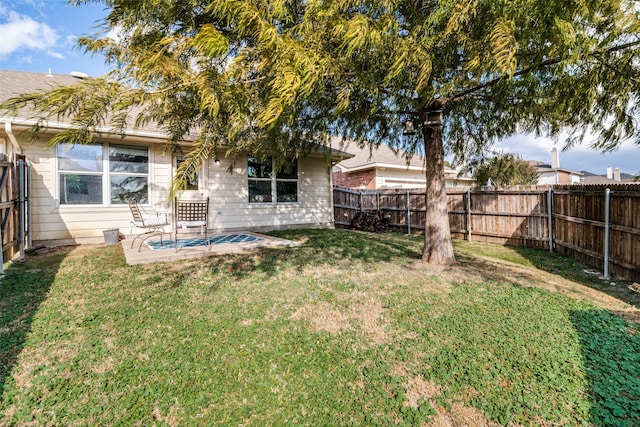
19,302
501,345
611,350
348,329
275,77
270,76
505,170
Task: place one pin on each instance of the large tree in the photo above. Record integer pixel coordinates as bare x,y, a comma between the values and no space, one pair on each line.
275,76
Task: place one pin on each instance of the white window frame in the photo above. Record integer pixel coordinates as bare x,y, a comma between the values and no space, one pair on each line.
105,175
274,179
200,174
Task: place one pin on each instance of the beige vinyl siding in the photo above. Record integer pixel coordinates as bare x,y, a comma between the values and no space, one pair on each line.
50,221
399,178
229,199
229,207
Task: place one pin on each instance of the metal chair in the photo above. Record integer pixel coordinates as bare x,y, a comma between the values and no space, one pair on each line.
154,222
191,214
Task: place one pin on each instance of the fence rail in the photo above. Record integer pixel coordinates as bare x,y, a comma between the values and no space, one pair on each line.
597,225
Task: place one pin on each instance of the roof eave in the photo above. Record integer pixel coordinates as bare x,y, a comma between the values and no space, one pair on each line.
158,137
60,126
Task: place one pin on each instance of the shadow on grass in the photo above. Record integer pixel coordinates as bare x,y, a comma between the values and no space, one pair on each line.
22,290
322,247
571,269
611,351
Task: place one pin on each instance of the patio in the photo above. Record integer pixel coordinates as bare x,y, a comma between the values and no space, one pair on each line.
222,243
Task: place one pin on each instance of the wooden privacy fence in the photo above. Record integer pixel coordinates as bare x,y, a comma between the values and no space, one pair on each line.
598,225
15,207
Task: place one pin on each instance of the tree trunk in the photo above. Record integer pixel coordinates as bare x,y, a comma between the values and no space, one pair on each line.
437,235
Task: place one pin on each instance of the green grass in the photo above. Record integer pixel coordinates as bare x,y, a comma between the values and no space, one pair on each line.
349,329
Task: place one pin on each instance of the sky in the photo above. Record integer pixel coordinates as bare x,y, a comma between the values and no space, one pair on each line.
41,35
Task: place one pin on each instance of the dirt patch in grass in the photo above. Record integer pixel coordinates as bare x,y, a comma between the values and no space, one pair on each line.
630,315
356,310
172,419
417,389
31,360
460,415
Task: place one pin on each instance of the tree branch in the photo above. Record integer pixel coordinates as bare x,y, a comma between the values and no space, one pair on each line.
620,73
543,64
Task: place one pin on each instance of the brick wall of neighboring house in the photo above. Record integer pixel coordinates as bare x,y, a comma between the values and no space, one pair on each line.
563,177
360,179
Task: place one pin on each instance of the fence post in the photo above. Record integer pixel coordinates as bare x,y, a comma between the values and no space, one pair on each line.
21,212
469,215
361,207
1,250
607,215
550,210
409,212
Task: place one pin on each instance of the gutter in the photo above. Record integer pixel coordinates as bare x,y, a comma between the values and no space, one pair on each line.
62,126
14,141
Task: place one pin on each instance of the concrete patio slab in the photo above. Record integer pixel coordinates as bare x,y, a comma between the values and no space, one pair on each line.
146,255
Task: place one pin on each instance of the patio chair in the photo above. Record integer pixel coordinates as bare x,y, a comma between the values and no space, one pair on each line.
191,214
152,221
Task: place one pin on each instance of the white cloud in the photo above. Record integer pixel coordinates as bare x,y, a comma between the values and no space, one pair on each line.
116,34
54,54
71,40
22,32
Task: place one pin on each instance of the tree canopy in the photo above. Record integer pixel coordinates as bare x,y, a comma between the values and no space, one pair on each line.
506,170
271,76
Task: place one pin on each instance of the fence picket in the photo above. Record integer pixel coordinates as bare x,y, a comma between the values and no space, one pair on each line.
564,219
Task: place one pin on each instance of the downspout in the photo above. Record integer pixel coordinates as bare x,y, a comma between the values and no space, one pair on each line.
332,207
14,141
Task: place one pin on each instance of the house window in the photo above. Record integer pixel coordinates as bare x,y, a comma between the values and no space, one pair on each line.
102,174
265,186
192,184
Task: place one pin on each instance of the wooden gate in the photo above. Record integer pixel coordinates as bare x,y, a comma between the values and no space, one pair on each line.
15,212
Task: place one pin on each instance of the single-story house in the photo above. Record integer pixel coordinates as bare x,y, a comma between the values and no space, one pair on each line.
612,177
382,167
553,174
77,192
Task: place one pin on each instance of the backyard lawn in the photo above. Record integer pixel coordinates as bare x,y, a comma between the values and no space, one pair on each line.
348,329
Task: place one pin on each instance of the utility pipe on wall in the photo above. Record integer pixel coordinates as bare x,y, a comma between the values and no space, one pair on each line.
21,207
28,197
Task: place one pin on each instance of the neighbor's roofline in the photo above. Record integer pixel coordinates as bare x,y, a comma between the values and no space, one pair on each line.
374,165
543,170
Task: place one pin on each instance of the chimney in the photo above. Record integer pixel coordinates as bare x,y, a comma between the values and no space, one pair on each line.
609,172
555,159
616,174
